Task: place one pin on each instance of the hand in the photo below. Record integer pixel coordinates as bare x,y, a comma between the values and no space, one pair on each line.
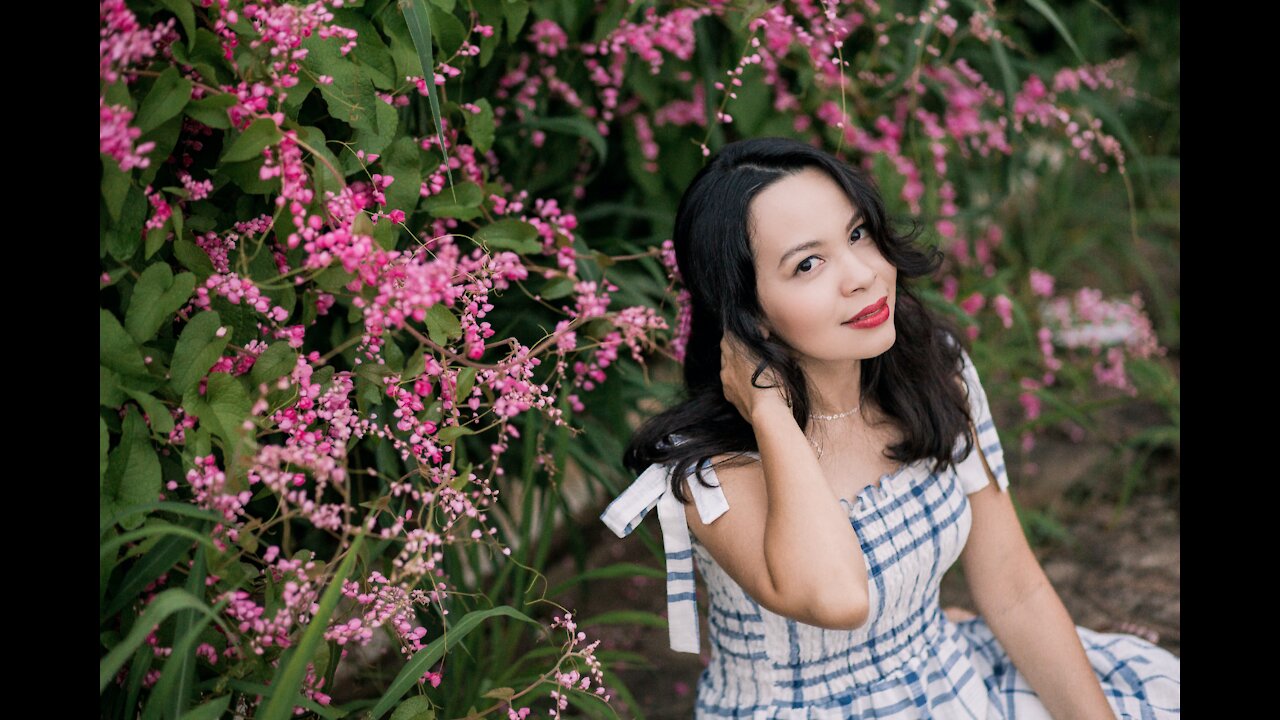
737,365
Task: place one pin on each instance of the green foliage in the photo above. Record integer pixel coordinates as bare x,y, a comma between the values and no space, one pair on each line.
615,172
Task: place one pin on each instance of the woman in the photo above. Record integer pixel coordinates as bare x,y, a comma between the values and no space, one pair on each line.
828,445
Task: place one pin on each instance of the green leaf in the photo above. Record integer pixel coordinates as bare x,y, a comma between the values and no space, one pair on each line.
490,14
212,110
447,30
158,610
110,393
509,234
298,94
156,298
275,362
178,508
163,556
418,21
250,143
577,126
333,279
157,412
616,570
515,13
462,201
370,53
414,364
351,97
155,240
193,257
211,710
106,548
401,42
417,707
124,239
172,693
428,656
557,288
450,433
442,325
329,173
186,15
625,617
133,470
293,666
466,379
1043,8
230,404
116,349
165,138
105,446
402,161
248,177
198,348
480,125
115,187
168,96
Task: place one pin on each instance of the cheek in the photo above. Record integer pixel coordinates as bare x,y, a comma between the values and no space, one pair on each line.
793,314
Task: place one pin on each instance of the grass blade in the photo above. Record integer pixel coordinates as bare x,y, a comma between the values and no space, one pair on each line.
419,22
284,691
427,656
617,570
161,559
1043,8
164,605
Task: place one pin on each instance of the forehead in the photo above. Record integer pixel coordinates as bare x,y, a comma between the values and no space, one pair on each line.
798,208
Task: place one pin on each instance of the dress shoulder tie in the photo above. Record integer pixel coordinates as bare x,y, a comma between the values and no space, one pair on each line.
653,487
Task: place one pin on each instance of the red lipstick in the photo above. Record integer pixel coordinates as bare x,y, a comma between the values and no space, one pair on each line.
872,315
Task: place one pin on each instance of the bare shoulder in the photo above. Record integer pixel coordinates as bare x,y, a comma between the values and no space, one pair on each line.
735,540
741,479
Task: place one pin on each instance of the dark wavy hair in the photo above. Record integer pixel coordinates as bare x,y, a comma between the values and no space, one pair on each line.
914,382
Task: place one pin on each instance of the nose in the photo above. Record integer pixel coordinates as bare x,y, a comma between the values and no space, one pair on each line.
857,272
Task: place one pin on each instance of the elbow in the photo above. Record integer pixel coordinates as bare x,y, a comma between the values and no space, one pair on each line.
844,612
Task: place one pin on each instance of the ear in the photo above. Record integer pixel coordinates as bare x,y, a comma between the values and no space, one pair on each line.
764,330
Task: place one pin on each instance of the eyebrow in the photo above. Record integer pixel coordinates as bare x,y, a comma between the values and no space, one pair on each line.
857,215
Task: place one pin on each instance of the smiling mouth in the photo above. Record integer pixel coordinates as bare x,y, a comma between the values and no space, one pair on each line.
869,311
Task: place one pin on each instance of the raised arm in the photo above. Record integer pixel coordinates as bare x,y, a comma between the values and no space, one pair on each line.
787,541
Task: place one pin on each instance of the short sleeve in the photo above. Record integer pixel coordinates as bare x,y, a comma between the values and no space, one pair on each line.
973,474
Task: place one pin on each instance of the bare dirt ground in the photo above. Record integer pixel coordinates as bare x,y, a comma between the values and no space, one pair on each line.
1112,567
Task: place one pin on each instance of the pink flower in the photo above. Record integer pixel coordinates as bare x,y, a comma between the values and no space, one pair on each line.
115,137
1030,405
1041,283
973,303
548,37
1004,309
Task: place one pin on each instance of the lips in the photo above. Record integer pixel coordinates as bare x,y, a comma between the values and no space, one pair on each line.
869,310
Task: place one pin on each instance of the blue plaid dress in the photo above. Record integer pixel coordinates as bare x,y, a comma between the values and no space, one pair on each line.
908,660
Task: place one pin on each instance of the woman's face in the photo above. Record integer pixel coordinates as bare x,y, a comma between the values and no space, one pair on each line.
817,268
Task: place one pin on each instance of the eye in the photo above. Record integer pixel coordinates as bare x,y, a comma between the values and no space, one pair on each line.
860,232
806,265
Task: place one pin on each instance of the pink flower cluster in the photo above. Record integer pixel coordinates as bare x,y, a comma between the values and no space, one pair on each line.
123,41
573,679
116,137
235,289
1036,105
282,28
1115,329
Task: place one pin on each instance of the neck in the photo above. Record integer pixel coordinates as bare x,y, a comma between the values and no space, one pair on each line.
834,389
